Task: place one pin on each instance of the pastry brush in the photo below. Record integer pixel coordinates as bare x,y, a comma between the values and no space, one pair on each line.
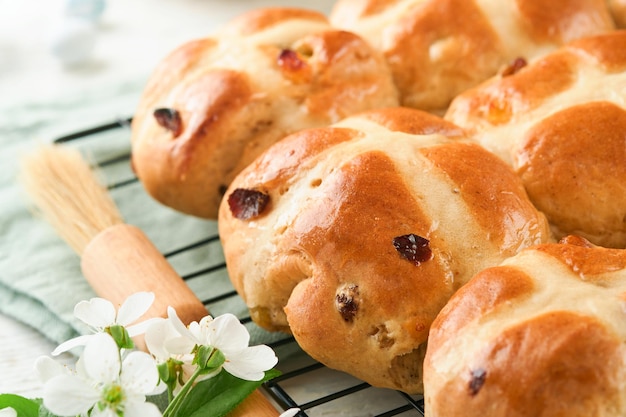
117,259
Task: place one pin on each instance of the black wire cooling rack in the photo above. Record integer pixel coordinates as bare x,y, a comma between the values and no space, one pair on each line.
304,383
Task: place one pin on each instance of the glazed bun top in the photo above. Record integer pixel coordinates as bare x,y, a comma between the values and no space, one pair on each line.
560,122
543,334
369,226
439,48
213,104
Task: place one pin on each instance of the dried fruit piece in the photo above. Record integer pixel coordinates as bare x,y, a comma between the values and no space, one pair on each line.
246,203
293,66
289,59
498,111
169,119
413,248
346,302
477,380
514,67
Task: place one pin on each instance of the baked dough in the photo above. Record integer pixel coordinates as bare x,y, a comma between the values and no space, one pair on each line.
561,124
354,236
213,104
439,48
542,335
618,10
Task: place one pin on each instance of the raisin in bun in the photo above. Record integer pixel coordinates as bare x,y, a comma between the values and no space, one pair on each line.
439,48
541,335
214,104
354,236
561,123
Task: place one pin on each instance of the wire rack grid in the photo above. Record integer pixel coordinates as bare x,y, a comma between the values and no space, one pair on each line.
304,383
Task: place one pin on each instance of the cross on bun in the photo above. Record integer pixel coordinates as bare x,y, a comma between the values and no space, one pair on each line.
438,48
541,335
354,236
213,104
561,124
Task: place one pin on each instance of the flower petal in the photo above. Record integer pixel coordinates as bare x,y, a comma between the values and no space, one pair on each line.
159,389
69,395
189,369
71,344
290,412
106,412
228,334
251,363
198,330
140,328
141,409
8,412
209,375
134,307
80,367
48,368
156,334
97,312
179,325
139,373
101,359
179,345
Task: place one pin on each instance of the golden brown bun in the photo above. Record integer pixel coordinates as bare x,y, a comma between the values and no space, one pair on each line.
439,48
561,123
618,10
262,76
319,260
542,335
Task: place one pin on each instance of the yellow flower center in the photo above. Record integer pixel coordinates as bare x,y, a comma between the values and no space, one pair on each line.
112,398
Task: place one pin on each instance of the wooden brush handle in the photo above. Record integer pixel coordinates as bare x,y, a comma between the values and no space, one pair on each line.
121,260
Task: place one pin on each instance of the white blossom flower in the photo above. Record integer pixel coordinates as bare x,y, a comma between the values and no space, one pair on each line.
47,368
8,412
106,385
226,334
157,336
100,314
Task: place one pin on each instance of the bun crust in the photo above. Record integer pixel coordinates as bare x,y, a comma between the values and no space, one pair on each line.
540,335
439,48
560,123
618,10
321,259
262,76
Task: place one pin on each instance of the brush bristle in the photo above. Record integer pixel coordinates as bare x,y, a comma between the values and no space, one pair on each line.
67,193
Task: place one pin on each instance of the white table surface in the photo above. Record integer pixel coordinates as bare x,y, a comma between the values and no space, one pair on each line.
125,49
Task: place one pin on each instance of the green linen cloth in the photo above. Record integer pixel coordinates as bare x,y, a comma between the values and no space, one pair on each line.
40,276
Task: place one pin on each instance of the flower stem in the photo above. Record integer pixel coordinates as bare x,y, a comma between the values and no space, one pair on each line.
174,405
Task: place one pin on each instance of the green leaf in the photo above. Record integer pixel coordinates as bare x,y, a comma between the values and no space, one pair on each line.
217,396
24,406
